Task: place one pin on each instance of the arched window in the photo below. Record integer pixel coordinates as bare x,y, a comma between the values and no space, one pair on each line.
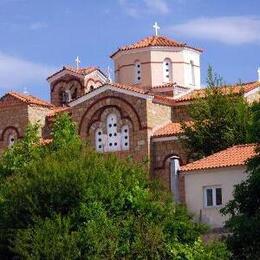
116,139
74,93
125,137
11,140
113,140
66,96
167,70
192,73
138,72
99,140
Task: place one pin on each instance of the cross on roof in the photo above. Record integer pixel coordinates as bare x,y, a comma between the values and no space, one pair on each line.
77,62
156,28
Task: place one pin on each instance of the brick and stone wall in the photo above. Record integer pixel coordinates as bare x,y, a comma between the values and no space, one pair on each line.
131,110
160,166
179,113
13,120
67,82
37,114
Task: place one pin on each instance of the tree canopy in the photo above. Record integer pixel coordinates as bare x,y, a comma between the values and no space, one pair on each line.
244,209
219,120
69,202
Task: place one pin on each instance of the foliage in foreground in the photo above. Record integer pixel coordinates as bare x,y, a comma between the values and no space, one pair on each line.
244,209
72,203
220,120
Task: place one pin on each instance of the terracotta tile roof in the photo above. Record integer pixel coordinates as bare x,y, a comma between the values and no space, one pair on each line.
164,100
28,99
81,71
233,156
128,87
165,85
57,110
235,89
168,130
153,41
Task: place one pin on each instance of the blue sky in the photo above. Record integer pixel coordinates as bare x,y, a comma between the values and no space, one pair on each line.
38,37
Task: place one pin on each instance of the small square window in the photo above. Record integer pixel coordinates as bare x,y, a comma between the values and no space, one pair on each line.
139,78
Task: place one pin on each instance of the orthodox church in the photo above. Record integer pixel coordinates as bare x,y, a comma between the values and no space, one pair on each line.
137,115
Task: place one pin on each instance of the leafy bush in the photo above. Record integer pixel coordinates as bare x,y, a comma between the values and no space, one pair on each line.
72,203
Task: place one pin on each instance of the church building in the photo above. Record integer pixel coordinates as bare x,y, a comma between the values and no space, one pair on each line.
138,114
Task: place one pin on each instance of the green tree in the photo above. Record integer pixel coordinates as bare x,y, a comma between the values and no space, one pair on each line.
219,120
73,203
64,133
244,209
22,153
213,79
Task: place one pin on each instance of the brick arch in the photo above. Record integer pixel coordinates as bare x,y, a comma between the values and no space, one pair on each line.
99,113
117,102
66,81
95,81
10,128
168,156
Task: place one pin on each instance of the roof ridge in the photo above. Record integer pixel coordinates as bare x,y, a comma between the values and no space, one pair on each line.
29,99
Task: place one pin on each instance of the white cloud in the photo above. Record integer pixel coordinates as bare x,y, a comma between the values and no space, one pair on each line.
16,73
226,29
37,26
140,7
157,6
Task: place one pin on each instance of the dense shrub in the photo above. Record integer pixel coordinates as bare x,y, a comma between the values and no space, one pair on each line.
72,203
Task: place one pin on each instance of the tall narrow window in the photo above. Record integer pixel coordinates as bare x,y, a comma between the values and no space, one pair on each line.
212,196
11,140
125,137
138,72
99,140
113,140
167,70
192,73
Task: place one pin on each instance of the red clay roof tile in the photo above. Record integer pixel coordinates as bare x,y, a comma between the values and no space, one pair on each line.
28,99
233,156
81,71
235,89
153,41
168,130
